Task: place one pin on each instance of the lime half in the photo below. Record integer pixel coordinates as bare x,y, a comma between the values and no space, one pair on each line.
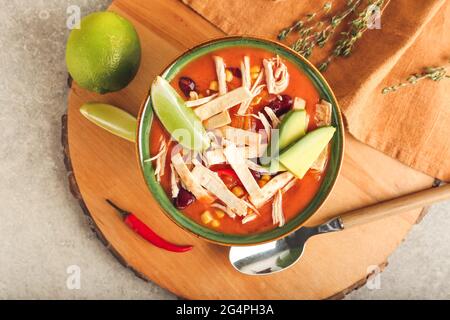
179,120
104,54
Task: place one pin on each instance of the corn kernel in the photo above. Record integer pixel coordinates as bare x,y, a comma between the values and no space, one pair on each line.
256,101
206,217
228,75
214,86
215,224
219,213
266,177
262,183
255,69
254,75
238,191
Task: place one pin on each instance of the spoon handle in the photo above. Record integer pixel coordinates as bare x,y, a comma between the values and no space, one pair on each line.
392,207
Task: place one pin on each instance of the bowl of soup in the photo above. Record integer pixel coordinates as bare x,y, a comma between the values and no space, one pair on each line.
240,140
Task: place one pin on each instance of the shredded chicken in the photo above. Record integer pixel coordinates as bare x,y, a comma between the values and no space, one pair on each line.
160,152
249,218
225,209
256,90
221,76
258,80
214,139
238,163
265,138
165,149
273,117
160,159
187,155
277,76
256,167
174,182
277,209
266,125
189,181
287,187
250,205
198,102
223,103
202,157
212,182
269,190
185,152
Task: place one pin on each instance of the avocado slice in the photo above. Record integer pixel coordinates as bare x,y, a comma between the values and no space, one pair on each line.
299,157
292,127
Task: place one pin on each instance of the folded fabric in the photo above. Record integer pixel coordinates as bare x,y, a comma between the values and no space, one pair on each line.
412,124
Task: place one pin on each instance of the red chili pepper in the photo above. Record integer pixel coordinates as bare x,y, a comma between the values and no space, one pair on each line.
145,232
228,172
229,177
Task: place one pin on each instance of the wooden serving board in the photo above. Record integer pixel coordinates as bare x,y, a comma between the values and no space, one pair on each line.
104,166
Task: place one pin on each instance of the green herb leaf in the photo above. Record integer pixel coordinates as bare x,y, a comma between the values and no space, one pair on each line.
433,73
316,29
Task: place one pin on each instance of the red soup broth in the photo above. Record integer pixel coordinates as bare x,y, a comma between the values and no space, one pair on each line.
202,71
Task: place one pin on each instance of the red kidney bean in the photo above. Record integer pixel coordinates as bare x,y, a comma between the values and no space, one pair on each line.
257,175
186,85
184,199
281,104
235,71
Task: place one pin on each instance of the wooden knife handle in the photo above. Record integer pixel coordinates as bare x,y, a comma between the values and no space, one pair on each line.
395,206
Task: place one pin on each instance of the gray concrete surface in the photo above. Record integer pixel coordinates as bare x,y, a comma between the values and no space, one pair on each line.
42,229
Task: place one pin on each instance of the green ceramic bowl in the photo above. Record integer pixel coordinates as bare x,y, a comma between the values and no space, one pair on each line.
145,124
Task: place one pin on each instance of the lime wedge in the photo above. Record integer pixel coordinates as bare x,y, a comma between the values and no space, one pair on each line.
180,121
111,119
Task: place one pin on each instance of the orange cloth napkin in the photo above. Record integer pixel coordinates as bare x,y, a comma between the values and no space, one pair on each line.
412,124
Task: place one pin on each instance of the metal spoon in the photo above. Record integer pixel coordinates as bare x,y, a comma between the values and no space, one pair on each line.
281,254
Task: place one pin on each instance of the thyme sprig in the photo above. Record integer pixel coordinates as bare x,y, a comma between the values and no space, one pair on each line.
345,44
298,26
313,34
432,73
316,34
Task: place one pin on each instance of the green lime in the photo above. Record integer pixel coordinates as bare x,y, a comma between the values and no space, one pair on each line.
111,119
179,120
104,54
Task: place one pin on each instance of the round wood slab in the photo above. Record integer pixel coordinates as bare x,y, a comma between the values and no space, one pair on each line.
104,166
